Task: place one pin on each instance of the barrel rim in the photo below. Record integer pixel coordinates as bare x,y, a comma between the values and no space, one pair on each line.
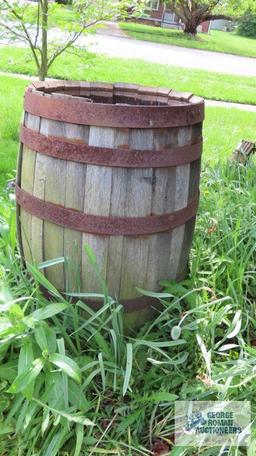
164,108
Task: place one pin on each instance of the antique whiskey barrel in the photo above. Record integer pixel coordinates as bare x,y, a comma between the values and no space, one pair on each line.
115,166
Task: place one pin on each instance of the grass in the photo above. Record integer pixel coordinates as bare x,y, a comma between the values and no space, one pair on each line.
60,16
86,66
94,390
99,391
11,109
217,41
223,129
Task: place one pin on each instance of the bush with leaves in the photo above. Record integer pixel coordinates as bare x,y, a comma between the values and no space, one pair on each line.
247,24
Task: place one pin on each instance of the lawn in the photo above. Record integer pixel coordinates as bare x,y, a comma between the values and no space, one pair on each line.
217,41
93,390
11,109
86,66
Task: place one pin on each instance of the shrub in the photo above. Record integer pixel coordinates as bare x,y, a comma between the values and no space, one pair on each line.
247,25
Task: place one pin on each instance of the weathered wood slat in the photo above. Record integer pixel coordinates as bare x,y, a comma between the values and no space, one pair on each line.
27,182
74,198
159,250
138,201
194,179
181,200
117,208
97,201
54,175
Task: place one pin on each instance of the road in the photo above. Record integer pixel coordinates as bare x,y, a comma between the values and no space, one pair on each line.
116,46
114,43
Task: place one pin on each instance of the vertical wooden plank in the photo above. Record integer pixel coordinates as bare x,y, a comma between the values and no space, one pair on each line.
27,181
163,201
159,251
138,203
54,176
37,224
194,179
18,182
98,185
117,208
74,198
71,191
181,200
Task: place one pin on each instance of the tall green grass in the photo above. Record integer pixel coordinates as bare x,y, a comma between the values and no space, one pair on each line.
94,389
11,111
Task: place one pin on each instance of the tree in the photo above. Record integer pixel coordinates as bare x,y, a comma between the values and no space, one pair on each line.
247,25
193,12
30,24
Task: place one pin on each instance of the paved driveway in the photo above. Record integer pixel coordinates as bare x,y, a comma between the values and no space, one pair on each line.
116,46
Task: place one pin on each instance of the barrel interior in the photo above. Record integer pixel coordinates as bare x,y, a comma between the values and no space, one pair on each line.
120,94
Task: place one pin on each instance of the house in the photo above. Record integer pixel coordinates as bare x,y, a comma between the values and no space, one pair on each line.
161,15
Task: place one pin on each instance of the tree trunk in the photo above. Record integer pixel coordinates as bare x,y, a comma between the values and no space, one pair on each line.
191,27
44,51
42,73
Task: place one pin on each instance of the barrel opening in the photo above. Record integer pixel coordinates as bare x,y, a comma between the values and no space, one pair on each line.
124,94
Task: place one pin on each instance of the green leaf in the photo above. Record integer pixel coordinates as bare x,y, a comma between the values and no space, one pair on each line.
8,371
53,386
67,365
128,369
41,279
16,313
176,332
79,439
90,254
102,371
129,420
61,347
49,311
27,377
45,421
51,337
77,397
152,294
235,326
161,396
227,347
93,261
7,429
41,338
73,418
26,358
164,344
206,354
55,444
86,295
49,263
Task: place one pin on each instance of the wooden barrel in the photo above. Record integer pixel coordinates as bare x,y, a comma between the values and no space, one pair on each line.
115,166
